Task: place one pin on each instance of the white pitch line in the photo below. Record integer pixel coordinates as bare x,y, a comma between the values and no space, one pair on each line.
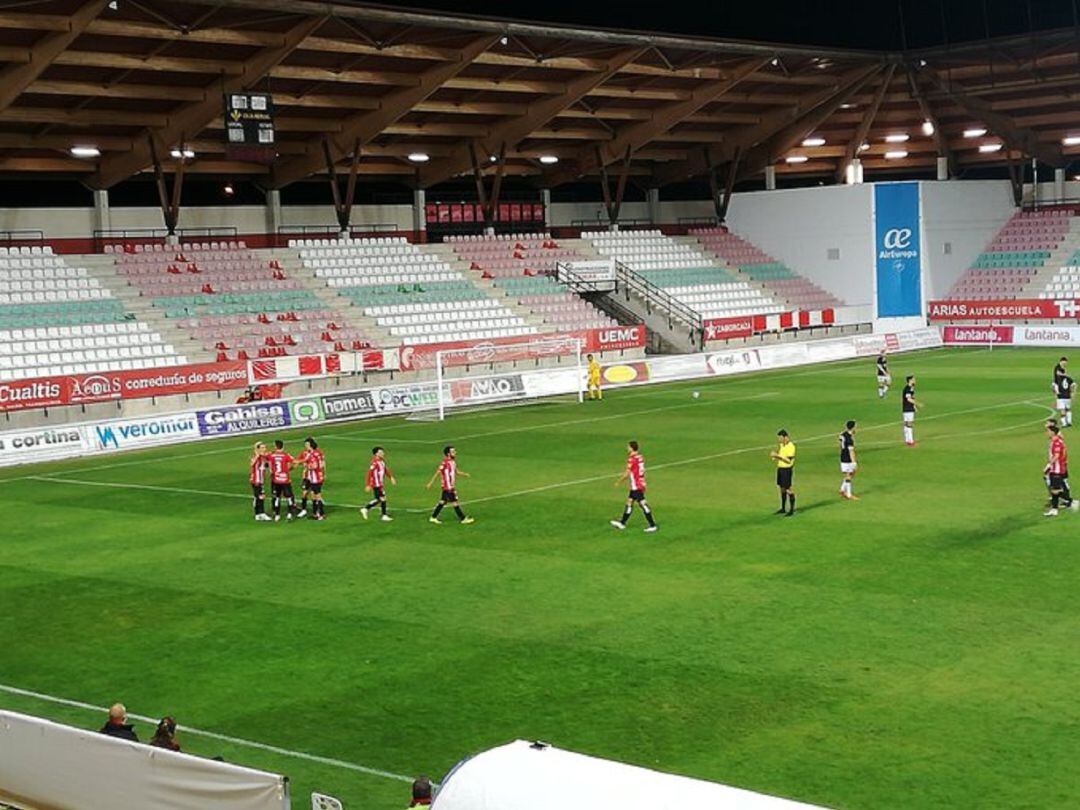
564,423
213,735
55,479
719,455
546,487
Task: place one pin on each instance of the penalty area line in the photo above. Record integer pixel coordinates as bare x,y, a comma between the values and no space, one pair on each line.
213,735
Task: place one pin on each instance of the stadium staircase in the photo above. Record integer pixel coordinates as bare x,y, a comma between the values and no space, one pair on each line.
1034,255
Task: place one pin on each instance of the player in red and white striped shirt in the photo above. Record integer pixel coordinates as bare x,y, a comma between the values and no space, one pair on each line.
314,477
448,472
635,472
257,477
1057,470
281,463
377,474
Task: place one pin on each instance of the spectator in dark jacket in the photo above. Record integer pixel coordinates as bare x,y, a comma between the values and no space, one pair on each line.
165,736
118,726
421,792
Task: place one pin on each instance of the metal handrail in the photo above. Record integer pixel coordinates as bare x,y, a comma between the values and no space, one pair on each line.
1035,205
653,295
635,222
22,235
300,230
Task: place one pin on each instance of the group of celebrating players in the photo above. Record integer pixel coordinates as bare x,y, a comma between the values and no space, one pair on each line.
280,464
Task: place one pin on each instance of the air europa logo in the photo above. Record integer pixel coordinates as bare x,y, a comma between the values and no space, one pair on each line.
897,239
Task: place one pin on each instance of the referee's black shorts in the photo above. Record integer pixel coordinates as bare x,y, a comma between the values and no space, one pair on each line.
783,477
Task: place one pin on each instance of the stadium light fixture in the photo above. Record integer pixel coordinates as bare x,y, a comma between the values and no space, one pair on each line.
863,146
549,160
899,154
228,189
976,132
796,159
815,141
927,127
187,154
897,137
846,106
419,157
1071,140
85,151
987,148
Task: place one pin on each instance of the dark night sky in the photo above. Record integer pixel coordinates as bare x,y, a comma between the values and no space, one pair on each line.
873,24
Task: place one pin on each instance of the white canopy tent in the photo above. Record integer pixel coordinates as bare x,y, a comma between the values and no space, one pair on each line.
534,776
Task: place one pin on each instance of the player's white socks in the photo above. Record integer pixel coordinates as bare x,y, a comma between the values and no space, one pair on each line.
845,487
909,435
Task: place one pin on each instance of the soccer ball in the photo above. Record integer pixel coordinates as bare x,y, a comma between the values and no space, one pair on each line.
696,394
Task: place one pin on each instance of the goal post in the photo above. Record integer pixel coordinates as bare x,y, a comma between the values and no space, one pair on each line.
500,381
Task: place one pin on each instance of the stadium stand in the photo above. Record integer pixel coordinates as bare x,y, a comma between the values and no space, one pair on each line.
234,302
422,294
413,296
59,319
523,266
1029,257
775,278
685,272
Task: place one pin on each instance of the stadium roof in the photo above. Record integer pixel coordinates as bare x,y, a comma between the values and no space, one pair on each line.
120,75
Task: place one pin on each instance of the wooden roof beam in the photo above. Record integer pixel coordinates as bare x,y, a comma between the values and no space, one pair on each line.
767,152
14,79
190,119
513,130
363,127
867,121
928,115
644,132
1015,137
772,122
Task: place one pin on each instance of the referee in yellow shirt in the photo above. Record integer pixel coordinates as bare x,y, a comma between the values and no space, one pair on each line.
784,456
595,391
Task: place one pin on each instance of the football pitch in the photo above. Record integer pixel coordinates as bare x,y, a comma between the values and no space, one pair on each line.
916,648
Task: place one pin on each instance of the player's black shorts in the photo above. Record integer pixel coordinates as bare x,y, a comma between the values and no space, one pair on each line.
636,495
449,495
257,490
305,485
312,487
281,490
783,477
1058,481
378,492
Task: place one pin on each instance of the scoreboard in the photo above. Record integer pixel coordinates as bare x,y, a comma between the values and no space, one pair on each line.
249,127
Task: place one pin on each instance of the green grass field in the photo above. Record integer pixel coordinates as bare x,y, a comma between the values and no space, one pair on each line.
917,648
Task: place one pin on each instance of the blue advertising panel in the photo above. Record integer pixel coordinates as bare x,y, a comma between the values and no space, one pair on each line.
896,246
244,418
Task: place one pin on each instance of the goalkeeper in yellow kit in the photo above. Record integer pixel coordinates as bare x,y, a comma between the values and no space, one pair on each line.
594,378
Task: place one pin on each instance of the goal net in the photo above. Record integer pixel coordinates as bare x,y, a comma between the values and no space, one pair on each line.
490,375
